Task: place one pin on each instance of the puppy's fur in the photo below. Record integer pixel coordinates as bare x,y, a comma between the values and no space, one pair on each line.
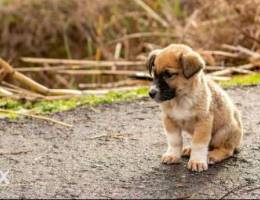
193,103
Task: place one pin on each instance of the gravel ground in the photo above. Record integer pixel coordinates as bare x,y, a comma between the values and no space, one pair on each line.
113,151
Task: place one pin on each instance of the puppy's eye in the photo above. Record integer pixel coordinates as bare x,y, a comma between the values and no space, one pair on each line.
168,75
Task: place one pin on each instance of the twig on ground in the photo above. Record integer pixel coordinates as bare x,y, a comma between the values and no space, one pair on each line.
2,152
252,189
112,135
233,190
36,117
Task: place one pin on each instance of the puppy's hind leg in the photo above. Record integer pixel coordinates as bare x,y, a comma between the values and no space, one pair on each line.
219,154
225,144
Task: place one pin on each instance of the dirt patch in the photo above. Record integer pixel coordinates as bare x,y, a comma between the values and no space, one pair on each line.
114,151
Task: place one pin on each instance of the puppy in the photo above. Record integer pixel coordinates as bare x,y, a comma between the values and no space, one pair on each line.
192,103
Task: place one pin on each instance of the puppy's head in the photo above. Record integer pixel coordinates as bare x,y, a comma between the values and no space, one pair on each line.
174,69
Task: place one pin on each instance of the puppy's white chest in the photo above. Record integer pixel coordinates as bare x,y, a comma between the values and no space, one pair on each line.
182,110
180,113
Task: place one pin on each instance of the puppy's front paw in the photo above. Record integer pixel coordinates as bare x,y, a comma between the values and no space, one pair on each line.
197,166
170,159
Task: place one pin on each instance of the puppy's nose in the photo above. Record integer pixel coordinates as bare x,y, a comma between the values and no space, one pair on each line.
152,93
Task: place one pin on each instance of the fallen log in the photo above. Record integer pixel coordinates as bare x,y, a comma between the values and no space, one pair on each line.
33,85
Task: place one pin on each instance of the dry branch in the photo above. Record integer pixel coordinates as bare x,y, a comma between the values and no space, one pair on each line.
112,84
42,69
152,13
22,95
221,53
21,90
214,68
73,67
104,91
99,72
241,49
242,71
219,78
223,72
65,92
143,35
90,63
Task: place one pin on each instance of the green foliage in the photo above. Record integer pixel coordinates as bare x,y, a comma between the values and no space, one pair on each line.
47,107
54,106
242,80
176,8
10,104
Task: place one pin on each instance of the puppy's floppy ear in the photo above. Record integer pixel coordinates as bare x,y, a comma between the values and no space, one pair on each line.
191,63
150,63
151,59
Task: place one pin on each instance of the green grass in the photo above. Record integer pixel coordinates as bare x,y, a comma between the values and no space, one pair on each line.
242,80
47,107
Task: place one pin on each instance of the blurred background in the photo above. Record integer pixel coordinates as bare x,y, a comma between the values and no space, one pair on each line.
82,34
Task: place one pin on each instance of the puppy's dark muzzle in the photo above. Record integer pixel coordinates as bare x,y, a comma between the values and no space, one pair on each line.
152,93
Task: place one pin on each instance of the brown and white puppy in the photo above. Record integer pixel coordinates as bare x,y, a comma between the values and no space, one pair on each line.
193,103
